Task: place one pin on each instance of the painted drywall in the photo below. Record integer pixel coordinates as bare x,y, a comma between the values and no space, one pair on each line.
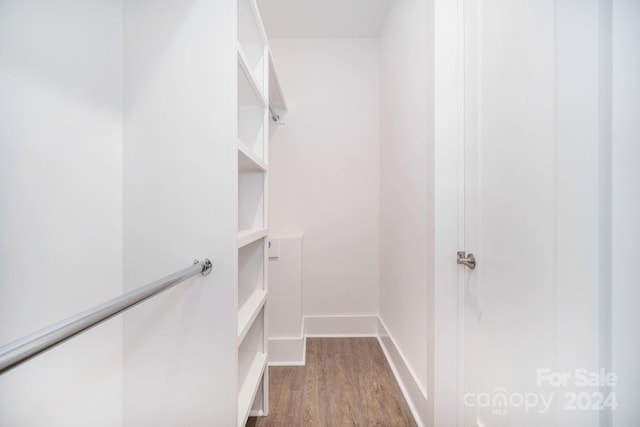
179,204
330,19
285,321
406,179
626,208
324,170
61,205
285,288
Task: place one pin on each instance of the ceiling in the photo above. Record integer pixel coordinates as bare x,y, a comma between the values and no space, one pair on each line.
323,18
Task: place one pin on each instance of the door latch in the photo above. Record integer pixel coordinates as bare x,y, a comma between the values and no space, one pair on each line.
468,260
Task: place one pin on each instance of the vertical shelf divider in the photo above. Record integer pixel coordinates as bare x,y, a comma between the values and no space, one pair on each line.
260,102
253,65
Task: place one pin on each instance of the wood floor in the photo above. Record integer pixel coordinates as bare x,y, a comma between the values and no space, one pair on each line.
346,382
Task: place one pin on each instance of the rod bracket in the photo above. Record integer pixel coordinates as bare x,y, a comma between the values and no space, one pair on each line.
207,266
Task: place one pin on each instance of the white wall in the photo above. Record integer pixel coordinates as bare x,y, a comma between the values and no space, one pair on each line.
626,208
285,288
406,179
180,204
324,169
61,205
285,316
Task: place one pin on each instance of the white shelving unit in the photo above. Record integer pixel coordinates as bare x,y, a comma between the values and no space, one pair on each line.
256,78
248,160
252,370
277,104
252,106
246,237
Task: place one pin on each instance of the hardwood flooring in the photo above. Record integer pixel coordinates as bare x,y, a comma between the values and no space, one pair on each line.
346,382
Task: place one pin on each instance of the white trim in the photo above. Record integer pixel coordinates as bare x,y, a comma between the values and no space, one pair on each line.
291,351
287,351
334,326
445,354
412,390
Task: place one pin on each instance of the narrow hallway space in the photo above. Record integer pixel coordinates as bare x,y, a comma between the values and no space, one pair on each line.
345,382
319,213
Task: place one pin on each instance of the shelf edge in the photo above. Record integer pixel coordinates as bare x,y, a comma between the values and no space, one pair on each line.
244,66
244,408
246,237
253,308
252,157
277,92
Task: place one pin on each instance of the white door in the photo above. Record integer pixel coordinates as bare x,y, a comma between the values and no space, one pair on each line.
533,210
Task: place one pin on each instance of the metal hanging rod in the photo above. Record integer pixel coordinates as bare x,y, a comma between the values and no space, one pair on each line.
19,351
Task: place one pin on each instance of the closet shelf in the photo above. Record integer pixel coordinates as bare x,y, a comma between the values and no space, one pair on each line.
251,79
277,104
249,311
246,237
250,26
276,95
254,364
248,160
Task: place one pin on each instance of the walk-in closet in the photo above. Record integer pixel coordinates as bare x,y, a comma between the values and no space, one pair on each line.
319,213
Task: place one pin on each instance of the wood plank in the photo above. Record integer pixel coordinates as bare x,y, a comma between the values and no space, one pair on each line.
346,382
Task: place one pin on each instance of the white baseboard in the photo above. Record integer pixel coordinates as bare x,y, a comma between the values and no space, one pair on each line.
292,352
341,326
413,393
287,351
